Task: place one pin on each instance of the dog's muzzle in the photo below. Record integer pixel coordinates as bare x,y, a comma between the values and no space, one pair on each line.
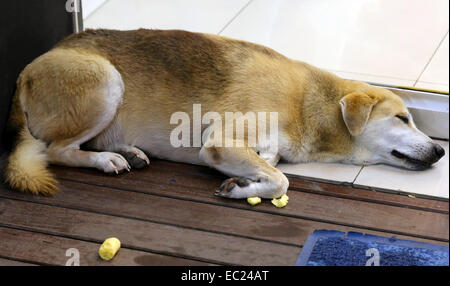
423,163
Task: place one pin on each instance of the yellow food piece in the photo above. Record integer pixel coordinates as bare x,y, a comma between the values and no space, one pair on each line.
254,200
281,202
109,248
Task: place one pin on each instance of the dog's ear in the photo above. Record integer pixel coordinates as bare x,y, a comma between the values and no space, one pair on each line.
356,108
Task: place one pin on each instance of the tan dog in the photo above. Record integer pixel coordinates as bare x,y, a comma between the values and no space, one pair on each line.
115,92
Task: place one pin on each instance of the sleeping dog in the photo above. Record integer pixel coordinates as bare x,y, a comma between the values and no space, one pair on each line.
116,92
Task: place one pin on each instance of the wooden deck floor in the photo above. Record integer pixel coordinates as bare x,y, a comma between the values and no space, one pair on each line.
167,215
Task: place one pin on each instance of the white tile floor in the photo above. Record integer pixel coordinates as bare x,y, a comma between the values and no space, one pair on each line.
384,41
396,42
193,15
435,76
370,39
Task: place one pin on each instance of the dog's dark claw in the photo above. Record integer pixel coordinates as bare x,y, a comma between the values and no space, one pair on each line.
230,187
218,193
230,184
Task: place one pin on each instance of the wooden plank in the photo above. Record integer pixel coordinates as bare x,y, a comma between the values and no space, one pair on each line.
51,250
9,262
305,185
334,210
144,235
368,195
215,218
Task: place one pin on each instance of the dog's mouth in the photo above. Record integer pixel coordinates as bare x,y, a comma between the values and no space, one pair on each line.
415,163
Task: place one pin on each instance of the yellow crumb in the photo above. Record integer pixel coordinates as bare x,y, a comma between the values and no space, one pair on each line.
281,202
254,200
109,248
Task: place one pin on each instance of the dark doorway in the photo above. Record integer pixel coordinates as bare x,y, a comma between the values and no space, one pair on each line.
27,30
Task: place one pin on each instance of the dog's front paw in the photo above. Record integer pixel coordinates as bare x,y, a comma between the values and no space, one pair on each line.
110,163
235,188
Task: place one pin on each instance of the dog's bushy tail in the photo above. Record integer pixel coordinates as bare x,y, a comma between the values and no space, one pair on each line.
26,168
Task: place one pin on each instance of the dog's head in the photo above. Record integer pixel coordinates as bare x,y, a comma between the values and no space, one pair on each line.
384,130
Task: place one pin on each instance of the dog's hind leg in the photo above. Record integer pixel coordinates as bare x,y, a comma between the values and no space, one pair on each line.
252,176
77,104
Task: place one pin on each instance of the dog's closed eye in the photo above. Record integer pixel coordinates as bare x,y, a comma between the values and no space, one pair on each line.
403,118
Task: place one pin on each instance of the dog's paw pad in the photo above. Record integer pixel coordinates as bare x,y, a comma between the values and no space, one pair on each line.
136,161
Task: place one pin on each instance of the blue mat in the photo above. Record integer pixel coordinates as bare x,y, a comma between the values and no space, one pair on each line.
335,248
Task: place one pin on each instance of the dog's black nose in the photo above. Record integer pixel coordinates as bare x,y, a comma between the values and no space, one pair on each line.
439,151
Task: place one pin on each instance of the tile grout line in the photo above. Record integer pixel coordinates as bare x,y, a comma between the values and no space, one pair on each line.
357,175
235,16
431,58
